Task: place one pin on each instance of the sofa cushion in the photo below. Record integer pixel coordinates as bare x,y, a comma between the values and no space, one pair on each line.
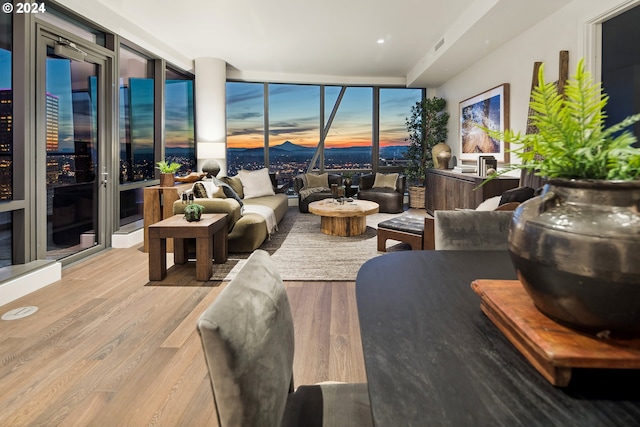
279,203
317,181
256,183
235,183
383,180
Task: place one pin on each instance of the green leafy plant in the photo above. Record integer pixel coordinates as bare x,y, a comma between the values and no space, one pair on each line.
427,126
193,212
166,167
572,141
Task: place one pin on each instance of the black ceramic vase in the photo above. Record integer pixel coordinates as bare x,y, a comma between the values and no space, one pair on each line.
576,249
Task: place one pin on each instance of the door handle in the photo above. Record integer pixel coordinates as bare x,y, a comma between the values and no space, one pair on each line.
104,179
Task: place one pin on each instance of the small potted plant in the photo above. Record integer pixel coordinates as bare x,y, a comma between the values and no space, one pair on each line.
427,127
193,212
575,246
168,172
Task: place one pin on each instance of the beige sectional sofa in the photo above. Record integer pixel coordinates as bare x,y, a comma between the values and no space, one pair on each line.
249,218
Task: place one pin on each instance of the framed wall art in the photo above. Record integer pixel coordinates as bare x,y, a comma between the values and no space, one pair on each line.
491,110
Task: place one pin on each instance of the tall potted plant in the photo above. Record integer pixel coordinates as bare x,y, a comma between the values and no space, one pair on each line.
576,246
168,173
427,127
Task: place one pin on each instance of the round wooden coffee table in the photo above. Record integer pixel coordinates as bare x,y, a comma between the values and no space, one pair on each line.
348,219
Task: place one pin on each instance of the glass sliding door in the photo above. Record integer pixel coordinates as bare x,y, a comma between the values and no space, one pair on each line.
75,174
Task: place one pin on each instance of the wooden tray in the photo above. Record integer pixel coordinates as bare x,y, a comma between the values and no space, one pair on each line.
554,350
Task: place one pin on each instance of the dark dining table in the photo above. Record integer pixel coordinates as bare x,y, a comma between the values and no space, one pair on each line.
433,358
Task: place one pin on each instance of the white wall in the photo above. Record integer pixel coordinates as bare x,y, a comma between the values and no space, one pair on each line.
568,29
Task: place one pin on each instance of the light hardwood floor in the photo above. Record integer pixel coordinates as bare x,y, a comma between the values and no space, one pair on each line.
106,350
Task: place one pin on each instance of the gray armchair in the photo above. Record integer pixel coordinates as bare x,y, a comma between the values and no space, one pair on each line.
471,230
391,200
299,183
248,340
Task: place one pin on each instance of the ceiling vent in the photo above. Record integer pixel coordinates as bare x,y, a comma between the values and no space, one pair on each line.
439,44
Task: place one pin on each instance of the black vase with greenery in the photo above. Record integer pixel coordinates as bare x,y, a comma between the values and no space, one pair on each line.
427,127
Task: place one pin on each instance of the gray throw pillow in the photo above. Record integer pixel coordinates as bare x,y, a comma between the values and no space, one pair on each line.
317,181
385,180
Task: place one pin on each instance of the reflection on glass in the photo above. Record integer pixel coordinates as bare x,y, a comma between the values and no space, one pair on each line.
245,126
131,205
6,238
71,146
179,121
349,141
136,118
6,109
395,107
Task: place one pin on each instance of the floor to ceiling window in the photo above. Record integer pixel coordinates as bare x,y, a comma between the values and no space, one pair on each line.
72,155
295,128
395,107
348,144
245,127
136,117
179,127
6,138
137,121
621,67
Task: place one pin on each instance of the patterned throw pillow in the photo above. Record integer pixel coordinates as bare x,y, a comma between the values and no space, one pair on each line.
199,191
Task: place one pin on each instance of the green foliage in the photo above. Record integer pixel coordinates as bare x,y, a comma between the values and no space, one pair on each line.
193,212
166,167
193,208
427,127
572,141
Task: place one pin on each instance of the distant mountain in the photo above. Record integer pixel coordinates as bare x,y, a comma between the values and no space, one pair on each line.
290,146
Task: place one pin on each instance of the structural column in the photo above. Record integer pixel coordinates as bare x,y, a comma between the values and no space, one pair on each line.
211,117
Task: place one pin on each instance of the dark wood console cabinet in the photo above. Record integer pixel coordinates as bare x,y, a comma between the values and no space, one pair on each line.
447,190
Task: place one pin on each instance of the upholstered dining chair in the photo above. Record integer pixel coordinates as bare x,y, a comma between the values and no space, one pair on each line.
248,339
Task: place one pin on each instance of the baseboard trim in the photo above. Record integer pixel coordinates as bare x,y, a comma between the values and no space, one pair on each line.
23,284
127,240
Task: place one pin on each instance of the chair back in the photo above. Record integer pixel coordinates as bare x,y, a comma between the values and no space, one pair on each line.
472,230
248,341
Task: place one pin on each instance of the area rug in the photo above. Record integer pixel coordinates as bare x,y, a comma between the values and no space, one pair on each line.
302,252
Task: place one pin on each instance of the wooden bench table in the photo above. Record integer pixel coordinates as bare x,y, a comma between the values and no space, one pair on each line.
211,234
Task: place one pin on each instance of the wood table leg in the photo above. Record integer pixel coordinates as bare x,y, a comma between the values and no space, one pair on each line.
204,255
157,259
343,226
180,250
221,246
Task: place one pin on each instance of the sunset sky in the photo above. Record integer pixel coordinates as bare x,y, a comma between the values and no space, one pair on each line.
294,115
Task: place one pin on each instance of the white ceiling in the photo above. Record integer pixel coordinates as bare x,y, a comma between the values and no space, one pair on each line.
336,38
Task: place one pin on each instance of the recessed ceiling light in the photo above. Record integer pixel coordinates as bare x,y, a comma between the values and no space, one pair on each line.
380,41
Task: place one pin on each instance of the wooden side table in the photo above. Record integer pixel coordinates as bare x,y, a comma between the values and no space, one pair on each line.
158,205
211,234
